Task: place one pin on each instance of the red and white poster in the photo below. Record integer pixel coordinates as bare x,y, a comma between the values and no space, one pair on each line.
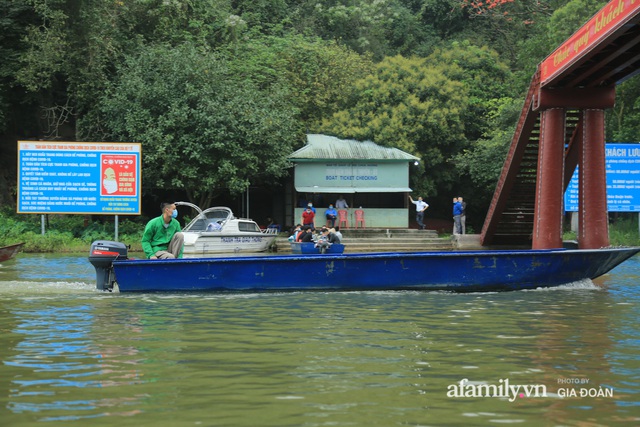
118,172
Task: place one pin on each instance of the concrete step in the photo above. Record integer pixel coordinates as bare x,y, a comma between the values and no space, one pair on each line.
284,247
398,247
384,240
388,232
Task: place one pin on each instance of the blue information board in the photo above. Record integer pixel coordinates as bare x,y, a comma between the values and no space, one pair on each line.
79,177
623,180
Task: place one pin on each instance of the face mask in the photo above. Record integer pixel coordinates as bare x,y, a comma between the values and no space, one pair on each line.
330,207
174,214
111,185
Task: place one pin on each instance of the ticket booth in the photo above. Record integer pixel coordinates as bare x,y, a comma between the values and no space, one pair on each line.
372,179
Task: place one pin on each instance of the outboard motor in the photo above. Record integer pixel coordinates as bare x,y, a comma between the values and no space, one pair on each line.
102,255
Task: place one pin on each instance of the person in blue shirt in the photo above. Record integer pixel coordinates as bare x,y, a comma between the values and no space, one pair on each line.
463,217
457,213
331,215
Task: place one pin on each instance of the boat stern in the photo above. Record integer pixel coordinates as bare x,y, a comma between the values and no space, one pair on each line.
101,256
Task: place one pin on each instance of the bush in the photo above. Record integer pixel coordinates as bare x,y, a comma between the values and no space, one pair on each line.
624,232
52,241
64,233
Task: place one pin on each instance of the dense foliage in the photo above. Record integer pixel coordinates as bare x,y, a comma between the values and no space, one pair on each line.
219,92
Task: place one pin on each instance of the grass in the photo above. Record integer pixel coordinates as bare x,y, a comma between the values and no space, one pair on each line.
623,231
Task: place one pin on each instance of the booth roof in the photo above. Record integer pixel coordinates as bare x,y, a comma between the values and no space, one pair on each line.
325,147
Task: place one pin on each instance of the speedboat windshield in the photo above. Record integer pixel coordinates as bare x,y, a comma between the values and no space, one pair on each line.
210,217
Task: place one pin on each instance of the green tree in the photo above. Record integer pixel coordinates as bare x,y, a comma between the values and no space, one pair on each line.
17,108
622,120
445,18
551,29
480,164
72,49
319,73
409,104
568,18
379,27
203,130
485,76
502,24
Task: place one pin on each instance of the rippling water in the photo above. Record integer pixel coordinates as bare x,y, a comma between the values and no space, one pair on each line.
71,355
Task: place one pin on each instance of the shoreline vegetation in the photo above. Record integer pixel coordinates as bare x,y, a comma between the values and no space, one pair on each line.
75,233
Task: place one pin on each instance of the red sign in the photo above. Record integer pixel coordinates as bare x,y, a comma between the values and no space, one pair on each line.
118,172
607,20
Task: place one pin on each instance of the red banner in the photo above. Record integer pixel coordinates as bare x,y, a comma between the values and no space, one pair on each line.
607,20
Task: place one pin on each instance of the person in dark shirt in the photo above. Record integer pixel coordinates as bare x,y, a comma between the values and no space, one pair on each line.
333,236
306,235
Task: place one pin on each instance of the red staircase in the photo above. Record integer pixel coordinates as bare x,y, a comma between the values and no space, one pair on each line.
510,217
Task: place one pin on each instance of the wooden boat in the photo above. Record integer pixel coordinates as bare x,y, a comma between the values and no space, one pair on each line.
216,230
456,271
311,248
9,252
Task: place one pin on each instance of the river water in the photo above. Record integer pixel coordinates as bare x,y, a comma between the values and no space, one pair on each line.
74,356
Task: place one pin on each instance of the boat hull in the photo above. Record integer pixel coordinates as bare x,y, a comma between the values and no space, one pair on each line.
464,271
9,252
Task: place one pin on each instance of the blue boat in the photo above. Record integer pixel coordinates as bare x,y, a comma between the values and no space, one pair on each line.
311,248
464,271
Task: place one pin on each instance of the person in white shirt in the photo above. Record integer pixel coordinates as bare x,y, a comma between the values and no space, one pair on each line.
341,203
421,206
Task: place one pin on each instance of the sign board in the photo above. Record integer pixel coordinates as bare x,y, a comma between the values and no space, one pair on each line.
352,177
623,180
610,18
79,177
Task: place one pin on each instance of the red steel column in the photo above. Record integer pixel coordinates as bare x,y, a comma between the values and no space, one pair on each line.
593,226
547,222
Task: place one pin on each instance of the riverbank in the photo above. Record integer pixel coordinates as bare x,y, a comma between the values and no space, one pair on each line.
74,233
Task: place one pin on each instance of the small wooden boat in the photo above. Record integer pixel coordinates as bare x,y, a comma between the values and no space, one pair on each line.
312,248
216,230
8,252
464,271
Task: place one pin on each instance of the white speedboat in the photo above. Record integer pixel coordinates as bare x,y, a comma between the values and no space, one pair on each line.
215,230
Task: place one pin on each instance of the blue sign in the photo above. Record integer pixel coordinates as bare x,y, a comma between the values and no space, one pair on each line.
623,180
79,177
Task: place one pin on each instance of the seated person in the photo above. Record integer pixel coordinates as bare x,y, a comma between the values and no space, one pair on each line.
214,226
162,238
294,235
301,234
331,215
323,240
307,235
333,236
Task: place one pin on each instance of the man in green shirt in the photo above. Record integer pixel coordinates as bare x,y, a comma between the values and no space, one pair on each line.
162,238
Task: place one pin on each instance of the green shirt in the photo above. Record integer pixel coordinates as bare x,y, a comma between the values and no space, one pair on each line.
156,236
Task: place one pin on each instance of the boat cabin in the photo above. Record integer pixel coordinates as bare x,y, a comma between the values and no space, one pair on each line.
218,218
